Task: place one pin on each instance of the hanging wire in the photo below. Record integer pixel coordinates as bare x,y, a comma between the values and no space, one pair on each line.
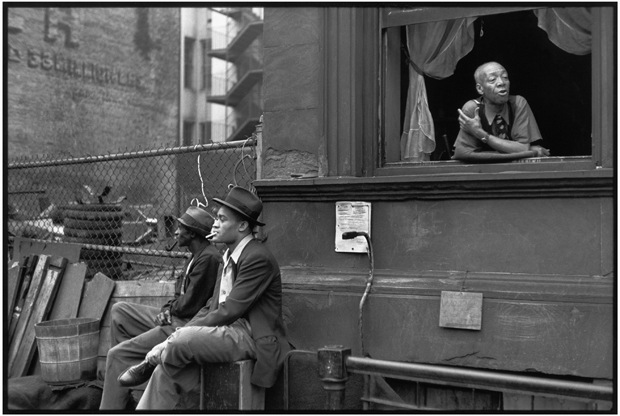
241,161
195,201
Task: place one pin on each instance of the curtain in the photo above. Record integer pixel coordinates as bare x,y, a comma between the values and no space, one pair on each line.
569,28
434,48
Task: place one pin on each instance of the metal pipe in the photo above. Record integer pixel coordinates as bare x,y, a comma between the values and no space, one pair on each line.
127,250
490,380
333,373
133,155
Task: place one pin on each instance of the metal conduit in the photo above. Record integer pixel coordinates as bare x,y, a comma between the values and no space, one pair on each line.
128,250
132,155
478,379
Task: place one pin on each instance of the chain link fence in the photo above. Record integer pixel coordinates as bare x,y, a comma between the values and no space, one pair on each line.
121,208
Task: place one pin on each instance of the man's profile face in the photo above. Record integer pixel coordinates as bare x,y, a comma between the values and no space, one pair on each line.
183,235
226,226
495,85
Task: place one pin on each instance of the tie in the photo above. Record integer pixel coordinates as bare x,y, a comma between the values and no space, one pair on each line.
228,277
499,127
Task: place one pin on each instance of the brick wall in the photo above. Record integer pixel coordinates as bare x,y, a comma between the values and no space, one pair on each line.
91,81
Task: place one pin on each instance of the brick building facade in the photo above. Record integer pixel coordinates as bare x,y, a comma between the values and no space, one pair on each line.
91,81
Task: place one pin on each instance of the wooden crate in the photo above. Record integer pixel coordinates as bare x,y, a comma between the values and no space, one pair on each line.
226,386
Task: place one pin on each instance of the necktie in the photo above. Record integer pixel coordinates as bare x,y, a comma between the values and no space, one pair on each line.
499,127
228,277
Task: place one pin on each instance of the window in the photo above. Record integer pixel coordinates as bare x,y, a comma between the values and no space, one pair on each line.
189,63
188,133
206,64
205,132
558,85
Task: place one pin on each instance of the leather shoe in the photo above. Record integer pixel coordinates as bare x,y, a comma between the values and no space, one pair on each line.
136,375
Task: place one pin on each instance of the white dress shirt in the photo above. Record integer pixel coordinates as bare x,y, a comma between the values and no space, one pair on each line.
227,276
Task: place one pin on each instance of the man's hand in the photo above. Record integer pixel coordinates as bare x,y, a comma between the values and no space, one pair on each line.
154,356
540,151
163,318
471,125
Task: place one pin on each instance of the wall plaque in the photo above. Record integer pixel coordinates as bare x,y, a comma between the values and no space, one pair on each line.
461,310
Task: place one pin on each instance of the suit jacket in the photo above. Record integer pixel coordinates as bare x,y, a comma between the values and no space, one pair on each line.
199,284
256,295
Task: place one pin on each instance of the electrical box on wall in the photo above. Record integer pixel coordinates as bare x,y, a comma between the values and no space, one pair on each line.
352,216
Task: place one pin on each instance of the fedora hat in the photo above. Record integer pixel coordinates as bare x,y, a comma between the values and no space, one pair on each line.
197,220
244,202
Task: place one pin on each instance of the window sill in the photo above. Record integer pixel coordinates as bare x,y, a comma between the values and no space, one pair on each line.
470,182
538,164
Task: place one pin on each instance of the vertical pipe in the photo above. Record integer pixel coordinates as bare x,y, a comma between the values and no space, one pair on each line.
333,374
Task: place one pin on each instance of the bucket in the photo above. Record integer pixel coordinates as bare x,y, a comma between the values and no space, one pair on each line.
68,350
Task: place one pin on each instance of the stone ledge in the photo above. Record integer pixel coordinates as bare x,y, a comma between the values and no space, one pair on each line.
505,286
555,184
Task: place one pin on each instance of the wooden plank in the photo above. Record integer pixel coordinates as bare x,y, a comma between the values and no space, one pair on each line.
96,296
28,269
13,281
67,301
25,247
24,317
40,311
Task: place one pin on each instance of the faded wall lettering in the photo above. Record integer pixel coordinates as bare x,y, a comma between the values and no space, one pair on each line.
101,74
14,54
66,20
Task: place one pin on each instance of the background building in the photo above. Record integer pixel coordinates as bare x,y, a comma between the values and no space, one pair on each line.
90,81
222,58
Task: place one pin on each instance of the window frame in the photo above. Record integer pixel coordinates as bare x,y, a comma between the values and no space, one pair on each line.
603,103
188,133
189,46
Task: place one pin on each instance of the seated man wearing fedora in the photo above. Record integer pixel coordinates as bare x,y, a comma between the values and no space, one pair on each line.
242,321
136,328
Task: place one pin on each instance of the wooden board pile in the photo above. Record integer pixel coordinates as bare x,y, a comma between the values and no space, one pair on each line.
44,287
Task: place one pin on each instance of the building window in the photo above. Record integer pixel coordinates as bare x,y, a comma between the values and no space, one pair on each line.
188,133
557,84
189,62
205,136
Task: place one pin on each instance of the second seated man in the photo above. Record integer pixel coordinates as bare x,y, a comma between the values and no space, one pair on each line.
136,328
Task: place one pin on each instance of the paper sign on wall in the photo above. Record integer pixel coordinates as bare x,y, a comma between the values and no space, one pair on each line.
352,216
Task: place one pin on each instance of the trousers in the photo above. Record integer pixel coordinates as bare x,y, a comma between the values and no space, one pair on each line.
134,332
176,381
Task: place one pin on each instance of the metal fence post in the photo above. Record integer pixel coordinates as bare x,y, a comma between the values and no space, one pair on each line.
333,374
